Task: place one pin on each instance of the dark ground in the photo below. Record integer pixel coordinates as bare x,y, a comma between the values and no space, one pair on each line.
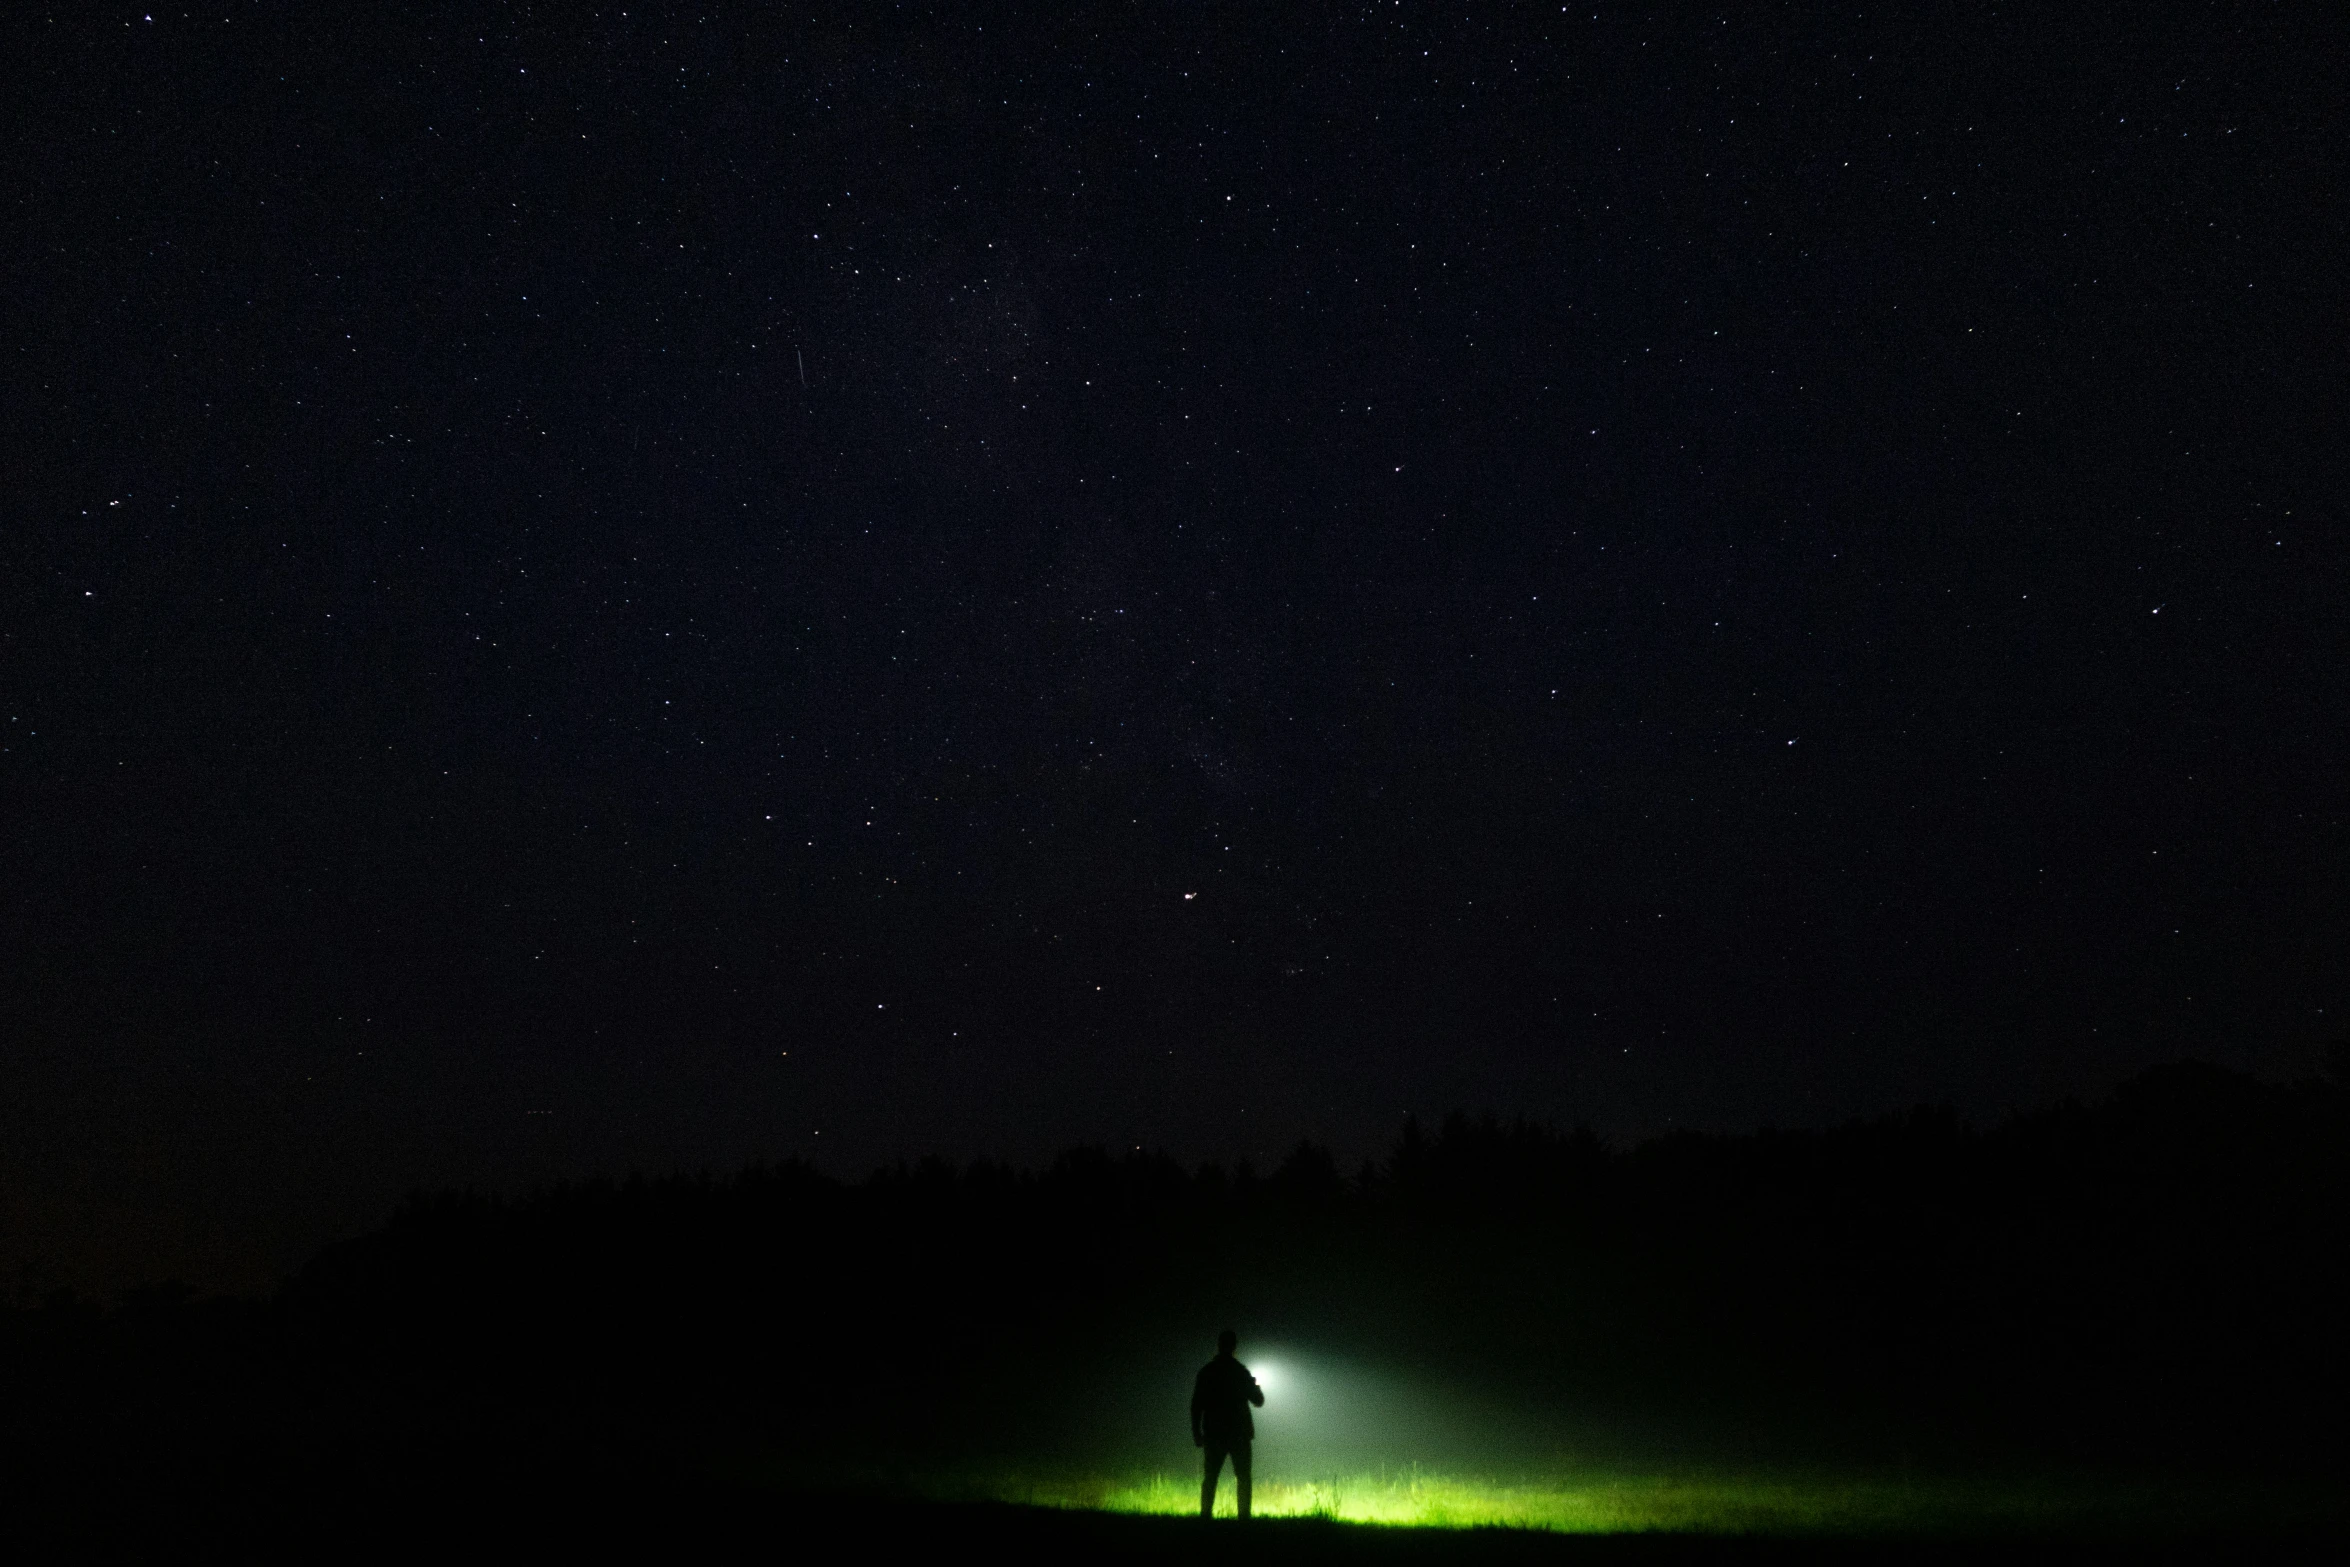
585,1520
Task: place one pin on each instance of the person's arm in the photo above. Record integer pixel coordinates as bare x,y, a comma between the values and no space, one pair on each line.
1256,1394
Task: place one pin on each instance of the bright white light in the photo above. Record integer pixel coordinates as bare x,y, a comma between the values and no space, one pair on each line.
1270,1375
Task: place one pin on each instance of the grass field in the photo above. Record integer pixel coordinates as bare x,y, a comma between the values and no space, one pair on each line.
1745,1504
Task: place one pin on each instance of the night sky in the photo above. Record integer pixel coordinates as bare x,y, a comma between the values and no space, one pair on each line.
590,588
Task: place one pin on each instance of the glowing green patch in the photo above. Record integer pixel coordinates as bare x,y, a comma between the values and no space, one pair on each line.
1716,1504
1600,1506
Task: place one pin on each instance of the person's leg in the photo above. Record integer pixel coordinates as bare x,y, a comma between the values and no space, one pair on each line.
1240,1474
1213,1457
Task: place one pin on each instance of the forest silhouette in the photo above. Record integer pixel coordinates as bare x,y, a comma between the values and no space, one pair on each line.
2158,1279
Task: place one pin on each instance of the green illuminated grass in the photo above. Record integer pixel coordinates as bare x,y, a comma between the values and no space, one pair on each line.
1715,1504
1597,1506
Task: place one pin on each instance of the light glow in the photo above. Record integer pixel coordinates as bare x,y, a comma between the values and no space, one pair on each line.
1785,1504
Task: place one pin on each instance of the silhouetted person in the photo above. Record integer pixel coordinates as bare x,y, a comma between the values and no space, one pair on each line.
1221,1423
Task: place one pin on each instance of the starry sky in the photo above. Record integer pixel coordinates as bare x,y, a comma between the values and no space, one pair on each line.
586,588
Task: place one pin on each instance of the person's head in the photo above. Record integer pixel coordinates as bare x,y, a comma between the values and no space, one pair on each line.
1225,1341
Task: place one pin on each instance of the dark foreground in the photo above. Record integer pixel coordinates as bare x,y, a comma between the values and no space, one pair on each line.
2151,1287
91,1515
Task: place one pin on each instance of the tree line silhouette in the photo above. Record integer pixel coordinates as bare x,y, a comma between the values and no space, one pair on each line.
2158,1276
